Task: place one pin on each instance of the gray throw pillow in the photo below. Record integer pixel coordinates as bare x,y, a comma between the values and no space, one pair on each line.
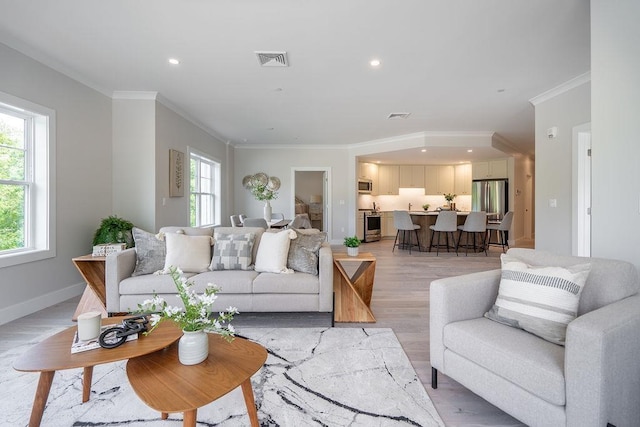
303,252
150,252
232,251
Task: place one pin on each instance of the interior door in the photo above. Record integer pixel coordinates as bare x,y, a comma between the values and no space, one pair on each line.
581,188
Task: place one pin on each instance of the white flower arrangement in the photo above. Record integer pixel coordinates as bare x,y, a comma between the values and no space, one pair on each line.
197,311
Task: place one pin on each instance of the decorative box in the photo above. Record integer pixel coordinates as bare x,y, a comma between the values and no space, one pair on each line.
108,248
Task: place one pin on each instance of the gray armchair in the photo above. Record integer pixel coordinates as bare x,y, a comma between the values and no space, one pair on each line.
591,381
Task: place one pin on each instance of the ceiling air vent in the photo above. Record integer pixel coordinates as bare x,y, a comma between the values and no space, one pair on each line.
398,115
273,59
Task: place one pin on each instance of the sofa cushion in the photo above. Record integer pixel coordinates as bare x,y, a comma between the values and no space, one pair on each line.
232,251
540,300
303,252
229,281
609,280
149,284
273,251
150,252
297,283
531,363
189,231
191,254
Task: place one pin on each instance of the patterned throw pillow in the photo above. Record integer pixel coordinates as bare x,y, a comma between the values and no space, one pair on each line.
303,252
540,300
150,252
232,251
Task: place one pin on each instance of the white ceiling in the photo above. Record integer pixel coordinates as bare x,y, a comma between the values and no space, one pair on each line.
455,65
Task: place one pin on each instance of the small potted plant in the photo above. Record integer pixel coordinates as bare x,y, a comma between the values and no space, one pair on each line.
114,230
426,206
449,198
352,244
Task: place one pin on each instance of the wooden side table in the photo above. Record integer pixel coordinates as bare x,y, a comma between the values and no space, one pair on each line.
94,297
228,366
353,294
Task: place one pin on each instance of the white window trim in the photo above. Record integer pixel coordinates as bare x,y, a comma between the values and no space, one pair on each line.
44,226
218,185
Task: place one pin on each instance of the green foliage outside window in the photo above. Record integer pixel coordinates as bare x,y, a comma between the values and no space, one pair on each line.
12,197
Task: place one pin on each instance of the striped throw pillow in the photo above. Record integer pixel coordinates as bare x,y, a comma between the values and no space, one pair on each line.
540,300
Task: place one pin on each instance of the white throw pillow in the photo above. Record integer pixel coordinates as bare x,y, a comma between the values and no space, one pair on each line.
540,300
192,254
273,251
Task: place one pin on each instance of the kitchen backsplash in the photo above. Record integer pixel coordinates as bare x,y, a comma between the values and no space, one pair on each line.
415,196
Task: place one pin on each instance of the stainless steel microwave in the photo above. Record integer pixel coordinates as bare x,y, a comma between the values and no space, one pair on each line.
365,186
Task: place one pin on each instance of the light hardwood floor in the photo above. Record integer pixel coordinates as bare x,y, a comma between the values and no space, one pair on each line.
400,301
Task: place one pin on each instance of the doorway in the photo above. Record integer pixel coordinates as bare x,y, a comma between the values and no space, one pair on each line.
581,191
311,195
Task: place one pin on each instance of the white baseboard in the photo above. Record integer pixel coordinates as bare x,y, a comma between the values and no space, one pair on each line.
41,302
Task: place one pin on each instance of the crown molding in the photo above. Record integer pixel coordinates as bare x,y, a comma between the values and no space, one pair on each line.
559,90
135,94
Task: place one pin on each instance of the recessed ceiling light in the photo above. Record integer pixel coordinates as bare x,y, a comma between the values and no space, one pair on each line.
424,150
174,61
469,151
374,62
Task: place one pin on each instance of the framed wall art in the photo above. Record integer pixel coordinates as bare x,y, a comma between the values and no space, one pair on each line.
176,173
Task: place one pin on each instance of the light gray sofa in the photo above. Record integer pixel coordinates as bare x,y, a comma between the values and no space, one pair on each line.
247,290
591,381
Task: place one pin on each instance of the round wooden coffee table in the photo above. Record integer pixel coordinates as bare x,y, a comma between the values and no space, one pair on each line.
228,366
54,354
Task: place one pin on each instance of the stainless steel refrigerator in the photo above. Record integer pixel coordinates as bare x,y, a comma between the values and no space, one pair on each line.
491,196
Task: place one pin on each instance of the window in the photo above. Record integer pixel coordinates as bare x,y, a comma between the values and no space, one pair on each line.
27,202
205,190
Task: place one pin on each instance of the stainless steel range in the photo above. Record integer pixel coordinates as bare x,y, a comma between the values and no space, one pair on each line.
372,226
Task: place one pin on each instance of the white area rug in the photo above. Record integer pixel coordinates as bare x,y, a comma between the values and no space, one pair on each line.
312,377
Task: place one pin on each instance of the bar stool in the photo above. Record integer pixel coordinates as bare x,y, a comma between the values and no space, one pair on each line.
402,222
475,224
447,223
235,221
502,228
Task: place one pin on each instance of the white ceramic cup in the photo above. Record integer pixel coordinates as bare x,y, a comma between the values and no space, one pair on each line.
89,325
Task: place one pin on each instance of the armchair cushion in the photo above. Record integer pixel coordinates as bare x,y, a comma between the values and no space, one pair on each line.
540,300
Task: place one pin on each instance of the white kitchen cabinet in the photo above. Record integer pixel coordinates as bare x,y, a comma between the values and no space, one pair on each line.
494,169
369,171
387,225
462,183
439,179
411,176
360,226
388,179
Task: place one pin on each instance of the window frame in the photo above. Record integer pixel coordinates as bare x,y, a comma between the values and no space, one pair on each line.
215,185
40,212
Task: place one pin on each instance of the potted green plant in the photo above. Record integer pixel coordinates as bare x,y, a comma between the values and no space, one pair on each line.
114,230
426,206
449,198
352,244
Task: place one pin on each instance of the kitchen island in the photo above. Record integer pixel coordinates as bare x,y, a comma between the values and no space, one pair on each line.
426,218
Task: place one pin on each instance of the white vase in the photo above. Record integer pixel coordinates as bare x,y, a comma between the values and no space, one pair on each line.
352,251
267,211
193,347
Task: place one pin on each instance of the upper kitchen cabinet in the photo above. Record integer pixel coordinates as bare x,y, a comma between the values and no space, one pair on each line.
462,180
439,179
369,171
411,176
494,169
388,179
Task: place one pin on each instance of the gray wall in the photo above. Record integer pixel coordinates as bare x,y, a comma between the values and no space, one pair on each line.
281,163
553,166
83,186
615,67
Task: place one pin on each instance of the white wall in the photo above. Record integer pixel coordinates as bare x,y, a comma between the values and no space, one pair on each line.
279,163
615,67
83,186
175,132
553,166
134,161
